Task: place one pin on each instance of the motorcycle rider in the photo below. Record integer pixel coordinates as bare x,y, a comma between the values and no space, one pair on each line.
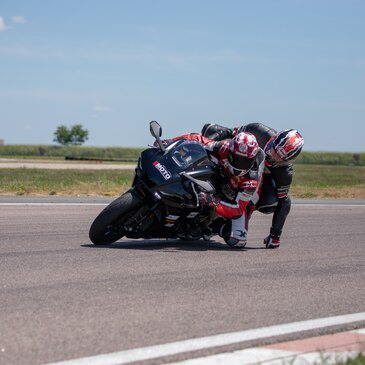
281,149
241,162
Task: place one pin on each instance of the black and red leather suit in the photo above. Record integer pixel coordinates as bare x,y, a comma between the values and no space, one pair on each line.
236,191
274,195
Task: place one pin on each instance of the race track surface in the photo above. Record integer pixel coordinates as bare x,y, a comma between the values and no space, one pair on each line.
63,298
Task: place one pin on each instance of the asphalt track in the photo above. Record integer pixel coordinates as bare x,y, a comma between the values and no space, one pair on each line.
62,298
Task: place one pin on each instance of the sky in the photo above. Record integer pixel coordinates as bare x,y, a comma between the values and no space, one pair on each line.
115,65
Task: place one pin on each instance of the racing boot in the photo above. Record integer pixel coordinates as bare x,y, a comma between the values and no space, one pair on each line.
234,233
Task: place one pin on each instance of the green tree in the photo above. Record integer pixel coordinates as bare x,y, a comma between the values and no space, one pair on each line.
75,136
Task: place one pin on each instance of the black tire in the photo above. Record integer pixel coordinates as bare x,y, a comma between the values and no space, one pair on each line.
106,227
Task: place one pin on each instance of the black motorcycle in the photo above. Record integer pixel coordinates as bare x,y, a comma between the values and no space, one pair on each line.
163,200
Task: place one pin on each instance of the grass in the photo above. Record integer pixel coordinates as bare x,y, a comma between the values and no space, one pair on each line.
321,181
332,158
52,151
358,360
325,359
131,154
64,182
310,181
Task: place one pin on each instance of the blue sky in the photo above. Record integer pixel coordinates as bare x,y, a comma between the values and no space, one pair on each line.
115,65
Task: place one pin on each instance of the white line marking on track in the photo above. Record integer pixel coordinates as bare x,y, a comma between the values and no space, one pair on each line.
173,348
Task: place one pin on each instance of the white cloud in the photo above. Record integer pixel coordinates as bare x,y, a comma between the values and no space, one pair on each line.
18,19
101,108
2,24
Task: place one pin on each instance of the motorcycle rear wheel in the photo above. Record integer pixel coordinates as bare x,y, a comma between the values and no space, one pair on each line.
106,227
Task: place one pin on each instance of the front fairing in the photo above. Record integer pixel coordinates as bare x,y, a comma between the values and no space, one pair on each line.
164,167
160,171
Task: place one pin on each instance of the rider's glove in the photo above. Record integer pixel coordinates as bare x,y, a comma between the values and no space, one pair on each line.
272,241
206,199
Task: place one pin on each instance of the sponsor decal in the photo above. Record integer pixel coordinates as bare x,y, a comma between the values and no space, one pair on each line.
239,234
250,184
192,215
162,169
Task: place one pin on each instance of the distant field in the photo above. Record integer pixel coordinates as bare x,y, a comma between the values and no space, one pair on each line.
326,181
60,152
310,181
64,182
131,154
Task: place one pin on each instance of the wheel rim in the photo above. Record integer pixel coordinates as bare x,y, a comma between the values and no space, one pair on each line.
117,229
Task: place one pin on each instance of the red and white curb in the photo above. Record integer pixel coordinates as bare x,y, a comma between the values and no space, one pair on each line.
328,349
248,356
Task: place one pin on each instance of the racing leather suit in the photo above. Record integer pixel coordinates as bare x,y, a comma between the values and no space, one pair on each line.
236,191
274,194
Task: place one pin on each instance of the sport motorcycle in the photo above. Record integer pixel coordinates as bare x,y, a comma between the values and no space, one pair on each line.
163,199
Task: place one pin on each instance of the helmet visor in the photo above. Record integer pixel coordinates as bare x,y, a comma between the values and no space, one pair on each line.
240,163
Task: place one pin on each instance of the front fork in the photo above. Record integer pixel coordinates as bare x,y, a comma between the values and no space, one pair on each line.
146,214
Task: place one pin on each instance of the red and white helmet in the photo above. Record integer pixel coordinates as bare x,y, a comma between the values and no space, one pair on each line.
284,148
243,149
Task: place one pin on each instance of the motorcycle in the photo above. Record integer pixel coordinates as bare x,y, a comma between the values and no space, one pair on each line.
163,199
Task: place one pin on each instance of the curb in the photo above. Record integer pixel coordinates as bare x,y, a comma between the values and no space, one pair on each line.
327,349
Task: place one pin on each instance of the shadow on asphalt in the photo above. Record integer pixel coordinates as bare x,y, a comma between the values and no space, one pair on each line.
172,245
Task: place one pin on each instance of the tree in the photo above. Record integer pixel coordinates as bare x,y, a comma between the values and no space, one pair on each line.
75,136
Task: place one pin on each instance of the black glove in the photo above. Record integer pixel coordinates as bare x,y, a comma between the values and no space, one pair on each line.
206,199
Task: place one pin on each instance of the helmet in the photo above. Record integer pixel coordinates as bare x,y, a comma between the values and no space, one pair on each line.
284,148
243,149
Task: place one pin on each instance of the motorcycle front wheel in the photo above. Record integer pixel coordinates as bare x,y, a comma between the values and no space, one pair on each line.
108,225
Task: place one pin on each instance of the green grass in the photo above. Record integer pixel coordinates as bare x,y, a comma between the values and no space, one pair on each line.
64,182
131,154
314,181
322,176
331,158
358,360
310,181
49,151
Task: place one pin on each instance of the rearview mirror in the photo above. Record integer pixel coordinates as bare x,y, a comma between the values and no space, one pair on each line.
155,129
156,132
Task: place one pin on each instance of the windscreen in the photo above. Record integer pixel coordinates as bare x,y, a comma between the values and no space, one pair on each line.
186,153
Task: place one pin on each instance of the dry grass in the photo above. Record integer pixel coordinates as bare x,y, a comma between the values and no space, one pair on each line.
333,192
310,181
